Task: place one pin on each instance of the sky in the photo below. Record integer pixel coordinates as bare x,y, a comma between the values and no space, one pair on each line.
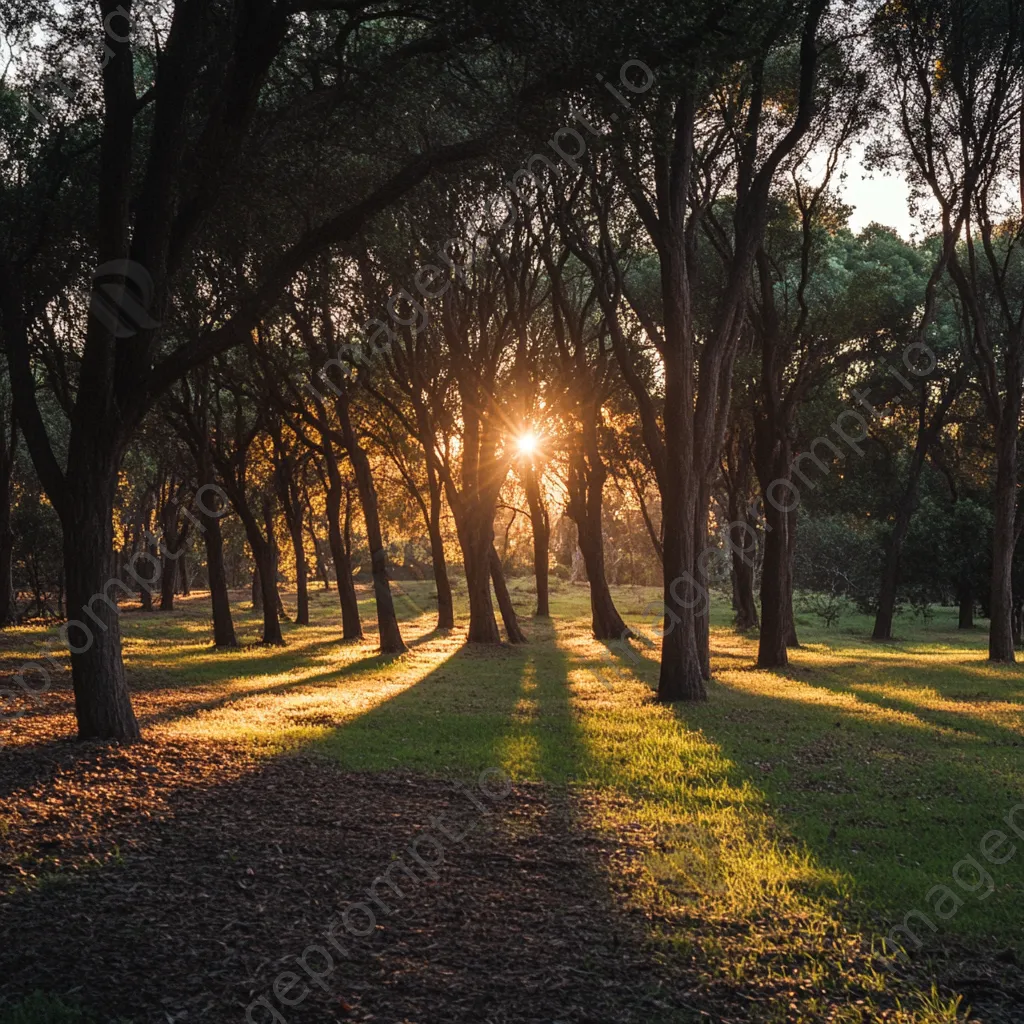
878,196
875,195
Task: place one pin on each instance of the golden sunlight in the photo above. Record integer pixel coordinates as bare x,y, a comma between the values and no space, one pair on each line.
528,443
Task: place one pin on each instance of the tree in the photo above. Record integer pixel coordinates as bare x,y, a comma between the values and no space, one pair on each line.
955,72
669,186
188,407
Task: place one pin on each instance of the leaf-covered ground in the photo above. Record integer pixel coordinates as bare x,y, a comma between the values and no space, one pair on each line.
734,862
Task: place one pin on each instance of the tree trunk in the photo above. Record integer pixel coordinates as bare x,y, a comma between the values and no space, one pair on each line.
773,461
264,575
771,650
681,676
540,521
965,600
702,613
168,575
1004,537
102,703
743,548
320,563
476,537
351,627
301,569
508,612
171,550
605,620
285,472
888,591
744,603
223,627
268,590
445,601
387,621
147,575
586,479
183,580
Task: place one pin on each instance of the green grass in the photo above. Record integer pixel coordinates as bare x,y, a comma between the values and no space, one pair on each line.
835,795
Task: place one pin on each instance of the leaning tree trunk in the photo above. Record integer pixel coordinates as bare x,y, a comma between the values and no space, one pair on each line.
1004,537
540,522
103,707
605,620
387,621
223,627
508,612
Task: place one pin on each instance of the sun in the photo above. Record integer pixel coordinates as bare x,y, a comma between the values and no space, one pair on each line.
527,443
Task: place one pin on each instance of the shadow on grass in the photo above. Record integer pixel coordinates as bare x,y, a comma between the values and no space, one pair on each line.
244,872
883,791
483,707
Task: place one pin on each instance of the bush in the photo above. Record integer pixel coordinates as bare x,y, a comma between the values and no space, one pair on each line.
838,557
828,607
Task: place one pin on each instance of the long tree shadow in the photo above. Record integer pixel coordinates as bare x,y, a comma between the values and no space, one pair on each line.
872,787
785,807
215,876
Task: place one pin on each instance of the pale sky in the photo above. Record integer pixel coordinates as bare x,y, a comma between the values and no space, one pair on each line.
877,196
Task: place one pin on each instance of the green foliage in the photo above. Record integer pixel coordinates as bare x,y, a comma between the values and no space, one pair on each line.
838,559
947,546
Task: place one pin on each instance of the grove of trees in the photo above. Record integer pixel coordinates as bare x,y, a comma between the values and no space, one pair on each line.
332,291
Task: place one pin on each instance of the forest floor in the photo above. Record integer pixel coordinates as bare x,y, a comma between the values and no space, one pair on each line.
740,860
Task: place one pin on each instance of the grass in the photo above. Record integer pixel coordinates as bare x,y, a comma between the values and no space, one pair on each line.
804,810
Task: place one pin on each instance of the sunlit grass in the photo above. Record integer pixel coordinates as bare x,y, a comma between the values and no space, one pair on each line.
814,806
